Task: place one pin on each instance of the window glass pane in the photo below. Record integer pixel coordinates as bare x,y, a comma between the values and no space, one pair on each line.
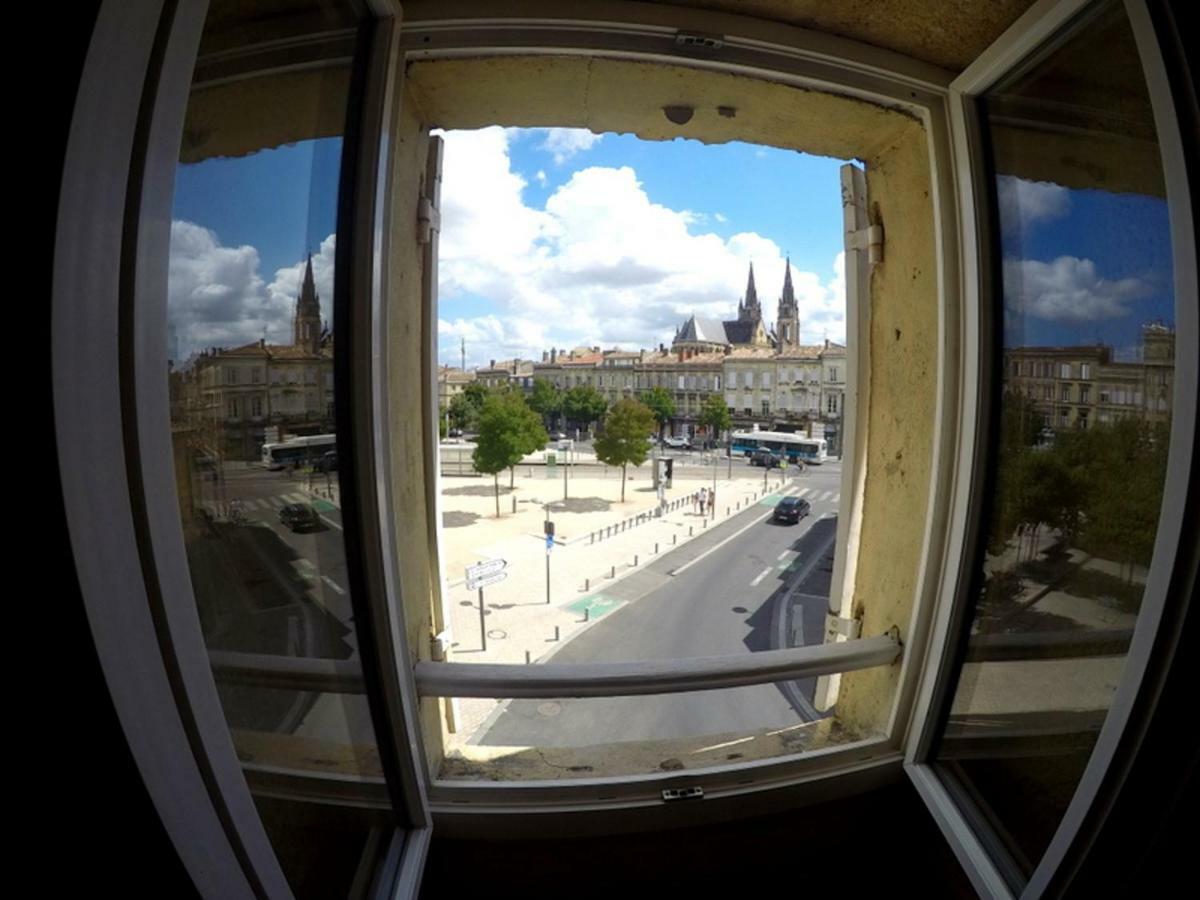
1078,473
250,302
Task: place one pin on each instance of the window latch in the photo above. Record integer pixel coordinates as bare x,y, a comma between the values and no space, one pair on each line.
688,793
869,239
429,220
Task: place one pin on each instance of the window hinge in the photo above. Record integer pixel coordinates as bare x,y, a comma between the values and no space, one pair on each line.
429,220
870,239
837,626
689,793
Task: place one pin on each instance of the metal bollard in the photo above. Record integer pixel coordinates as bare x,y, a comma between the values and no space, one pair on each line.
656,548
526,657
727,510
674,538
704,523
635,560
556,632
587,584
613,572
587,610
690,530
514,502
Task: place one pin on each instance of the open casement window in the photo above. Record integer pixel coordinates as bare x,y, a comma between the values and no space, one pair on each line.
1074,586
967,501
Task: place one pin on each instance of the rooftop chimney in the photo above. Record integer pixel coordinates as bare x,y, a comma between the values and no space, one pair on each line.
545,355
553,354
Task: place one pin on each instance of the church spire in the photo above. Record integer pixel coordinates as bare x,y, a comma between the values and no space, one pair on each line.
787,328
749,309
306,325
789,294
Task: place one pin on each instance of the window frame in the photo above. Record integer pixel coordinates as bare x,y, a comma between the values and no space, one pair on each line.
1149,659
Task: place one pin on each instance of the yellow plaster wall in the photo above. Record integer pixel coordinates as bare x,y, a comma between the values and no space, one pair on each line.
899,456
405,413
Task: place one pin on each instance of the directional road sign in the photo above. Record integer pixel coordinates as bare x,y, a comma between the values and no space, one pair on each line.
484,569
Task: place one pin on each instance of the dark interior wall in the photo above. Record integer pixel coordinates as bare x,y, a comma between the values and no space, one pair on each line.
875,844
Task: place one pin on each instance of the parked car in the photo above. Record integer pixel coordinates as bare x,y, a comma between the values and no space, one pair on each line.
677,443
298,516
791,510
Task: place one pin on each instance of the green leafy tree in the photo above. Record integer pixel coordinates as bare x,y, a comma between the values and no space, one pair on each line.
714,414
660,402
466,407
508,429
546,400
624,440
584,404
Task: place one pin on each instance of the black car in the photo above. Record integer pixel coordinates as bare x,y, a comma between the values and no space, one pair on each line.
791,509
298,516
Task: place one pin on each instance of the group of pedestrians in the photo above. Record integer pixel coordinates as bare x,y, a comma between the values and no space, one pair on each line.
704,501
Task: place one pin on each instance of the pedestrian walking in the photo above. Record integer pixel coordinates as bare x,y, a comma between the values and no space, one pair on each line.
703,498
712,503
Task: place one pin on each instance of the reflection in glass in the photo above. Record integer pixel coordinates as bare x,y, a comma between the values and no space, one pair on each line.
1086,386
250,299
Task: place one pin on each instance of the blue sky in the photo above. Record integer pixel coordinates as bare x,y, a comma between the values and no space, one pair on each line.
558,237
1083,266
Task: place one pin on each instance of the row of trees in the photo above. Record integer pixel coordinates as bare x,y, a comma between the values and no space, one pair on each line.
509,426
1099,487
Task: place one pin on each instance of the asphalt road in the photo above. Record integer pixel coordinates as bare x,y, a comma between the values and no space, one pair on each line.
724,598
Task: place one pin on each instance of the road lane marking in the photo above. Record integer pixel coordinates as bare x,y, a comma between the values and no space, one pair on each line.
333,584
761,575
783,554
687,565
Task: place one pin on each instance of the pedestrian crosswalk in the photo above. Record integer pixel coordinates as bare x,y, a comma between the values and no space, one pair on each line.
815,496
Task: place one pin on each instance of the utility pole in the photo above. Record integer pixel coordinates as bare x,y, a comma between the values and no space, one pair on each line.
463,352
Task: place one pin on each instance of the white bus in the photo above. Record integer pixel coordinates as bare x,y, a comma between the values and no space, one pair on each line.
298,450
796,447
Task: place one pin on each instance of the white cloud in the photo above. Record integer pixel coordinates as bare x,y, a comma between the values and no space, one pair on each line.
566,142
217,298
1025,202
1068,289
720,218
541,177
599,264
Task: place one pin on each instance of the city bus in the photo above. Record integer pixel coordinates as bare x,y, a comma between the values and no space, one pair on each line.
298,450
796,447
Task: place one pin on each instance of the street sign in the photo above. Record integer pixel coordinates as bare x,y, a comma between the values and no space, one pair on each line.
548,528
484,569
549,542
474,584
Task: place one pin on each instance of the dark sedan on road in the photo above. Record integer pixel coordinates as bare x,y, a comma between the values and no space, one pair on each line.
299,516
791,510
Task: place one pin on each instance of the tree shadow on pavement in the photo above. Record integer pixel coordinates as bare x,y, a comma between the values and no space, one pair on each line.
476,490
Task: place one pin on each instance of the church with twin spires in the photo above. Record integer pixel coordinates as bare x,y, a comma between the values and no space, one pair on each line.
703,335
